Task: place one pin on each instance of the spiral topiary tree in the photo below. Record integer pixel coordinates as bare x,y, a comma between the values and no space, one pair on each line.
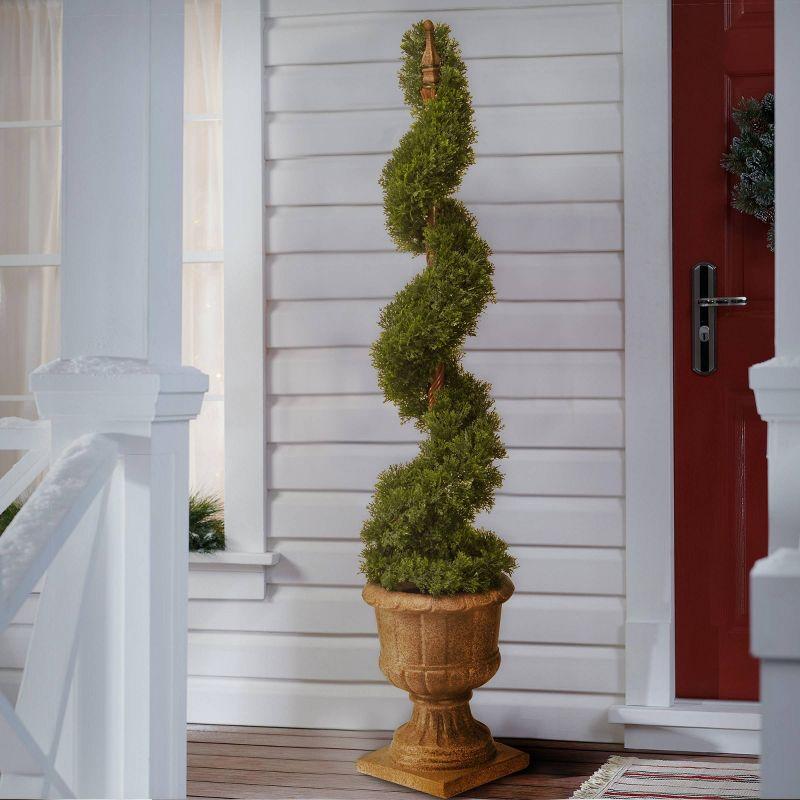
420,534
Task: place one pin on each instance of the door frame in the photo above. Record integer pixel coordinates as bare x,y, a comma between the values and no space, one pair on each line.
652,716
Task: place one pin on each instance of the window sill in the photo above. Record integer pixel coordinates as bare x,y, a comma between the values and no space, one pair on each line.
230,557
229,575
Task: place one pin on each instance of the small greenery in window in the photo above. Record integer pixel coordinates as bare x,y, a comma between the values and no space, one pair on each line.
9,514
206,523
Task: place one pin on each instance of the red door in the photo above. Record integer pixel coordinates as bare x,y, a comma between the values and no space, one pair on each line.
721,51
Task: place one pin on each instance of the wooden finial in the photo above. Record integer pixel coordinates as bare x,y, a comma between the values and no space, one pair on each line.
430,64
430,78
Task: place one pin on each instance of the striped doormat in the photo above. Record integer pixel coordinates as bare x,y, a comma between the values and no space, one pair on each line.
639,778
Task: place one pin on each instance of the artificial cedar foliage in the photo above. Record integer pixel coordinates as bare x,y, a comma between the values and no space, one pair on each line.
420,533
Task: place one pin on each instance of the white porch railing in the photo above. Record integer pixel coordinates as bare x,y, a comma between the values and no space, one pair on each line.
55,532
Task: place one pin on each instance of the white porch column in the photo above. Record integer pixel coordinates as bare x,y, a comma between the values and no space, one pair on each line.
775,580
775,639
776,382
120,374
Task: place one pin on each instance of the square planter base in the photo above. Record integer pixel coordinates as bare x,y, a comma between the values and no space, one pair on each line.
443,783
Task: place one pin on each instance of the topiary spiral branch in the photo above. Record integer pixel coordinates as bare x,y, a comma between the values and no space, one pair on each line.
420,534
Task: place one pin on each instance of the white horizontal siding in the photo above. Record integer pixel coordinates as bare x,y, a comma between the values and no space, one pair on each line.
584,668
292,8
555,619
503,130
547,193
555,668
521,373
493,82
517,228
226,583
350,180
353,467
366,418
565,29
592,325
522,519
518,276
249,701
543,570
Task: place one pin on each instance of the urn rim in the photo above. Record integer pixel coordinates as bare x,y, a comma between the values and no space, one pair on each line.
382,598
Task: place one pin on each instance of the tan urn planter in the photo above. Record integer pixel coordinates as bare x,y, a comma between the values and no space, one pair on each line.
439,649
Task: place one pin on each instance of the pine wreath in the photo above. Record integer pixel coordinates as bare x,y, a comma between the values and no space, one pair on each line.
752,159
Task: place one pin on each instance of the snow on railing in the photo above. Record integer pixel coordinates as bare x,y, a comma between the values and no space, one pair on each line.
61,518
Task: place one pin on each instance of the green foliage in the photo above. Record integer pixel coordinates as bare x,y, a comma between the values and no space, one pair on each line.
9,514
420,534
206,523
430,160
752,159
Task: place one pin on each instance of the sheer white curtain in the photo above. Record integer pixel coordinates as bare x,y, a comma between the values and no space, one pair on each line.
30,181
202,236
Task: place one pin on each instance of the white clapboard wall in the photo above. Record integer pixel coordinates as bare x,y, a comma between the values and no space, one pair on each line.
547,191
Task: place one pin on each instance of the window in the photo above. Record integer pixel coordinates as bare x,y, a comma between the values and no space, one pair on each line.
203,269
231,425
30,177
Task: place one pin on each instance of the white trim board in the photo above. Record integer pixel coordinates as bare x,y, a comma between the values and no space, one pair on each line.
647,124
243,233
693,714
708,726
228,557
380,706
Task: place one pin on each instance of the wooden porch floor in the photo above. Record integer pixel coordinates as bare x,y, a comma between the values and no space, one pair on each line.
230,761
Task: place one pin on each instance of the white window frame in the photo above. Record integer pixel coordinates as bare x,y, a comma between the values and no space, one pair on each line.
243,236
243,202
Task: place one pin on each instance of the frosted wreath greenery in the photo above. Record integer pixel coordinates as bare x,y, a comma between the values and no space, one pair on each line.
420,535
752,159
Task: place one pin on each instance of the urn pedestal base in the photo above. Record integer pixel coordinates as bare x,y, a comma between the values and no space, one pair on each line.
438,649
443,782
